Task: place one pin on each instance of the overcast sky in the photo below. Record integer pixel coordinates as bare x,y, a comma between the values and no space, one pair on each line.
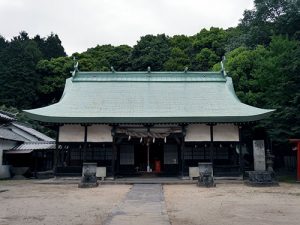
83,24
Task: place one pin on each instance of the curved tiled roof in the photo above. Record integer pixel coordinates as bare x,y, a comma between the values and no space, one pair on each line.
148,97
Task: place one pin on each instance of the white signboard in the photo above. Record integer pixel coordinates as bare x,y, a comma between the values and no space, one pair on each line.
259,155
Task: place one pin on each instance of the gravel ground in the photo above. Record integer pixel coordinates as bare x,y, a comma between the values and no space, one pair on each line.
24,203
233,204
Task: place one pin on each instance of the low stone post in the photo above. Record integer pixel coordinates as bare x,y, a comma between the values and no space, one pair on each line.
88,178
206,177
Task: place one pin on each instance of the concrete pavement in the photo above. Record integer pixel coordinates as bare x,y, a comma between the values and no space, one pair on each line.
144,205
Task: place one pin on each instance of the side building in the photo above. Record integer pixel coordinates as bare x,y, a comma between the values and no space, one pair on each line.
141,122
23,148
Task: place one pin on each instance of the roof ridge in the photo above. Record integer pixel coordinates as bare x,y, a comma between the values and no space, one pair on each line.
7,116
39,142
23,124
144,76
134,72
7,113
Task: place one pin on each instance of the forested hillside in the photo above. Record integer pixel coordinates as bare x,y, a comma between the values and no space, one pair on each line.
262,56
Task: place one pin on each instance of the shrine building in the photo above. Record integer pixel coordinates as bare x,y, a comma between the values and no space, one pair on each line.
136,123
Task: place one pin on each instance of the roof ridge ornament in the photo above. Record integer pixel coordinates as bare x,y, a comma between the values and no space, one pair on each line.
75,67
112,69
149,69
223,71
186,69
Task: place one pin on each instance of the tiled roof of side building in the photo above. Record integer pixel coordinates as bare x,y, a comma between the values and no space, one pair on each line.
7,134
7,117
30,130
148,97
28,147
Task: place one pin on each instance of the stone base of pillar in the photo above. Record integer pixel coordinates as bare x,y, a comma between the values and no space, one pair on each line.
261,178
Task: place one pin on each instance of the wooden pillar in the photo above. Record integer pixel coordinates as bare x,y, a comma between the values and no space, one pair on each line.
298,161
182,156
179,156
114,150
35,153
85,143
212,144
297,142
241,159
55,155
182,151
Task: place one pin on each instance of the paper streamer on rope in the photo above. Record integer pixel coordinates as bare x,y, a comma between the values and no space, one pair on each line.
153,133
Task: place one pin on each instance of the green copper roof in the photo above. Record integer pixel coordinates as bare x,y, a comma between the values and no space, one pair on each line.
148,97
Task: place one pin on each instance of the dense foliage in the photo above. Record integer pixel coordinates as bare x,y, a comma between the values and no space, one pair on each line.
19,78
262,55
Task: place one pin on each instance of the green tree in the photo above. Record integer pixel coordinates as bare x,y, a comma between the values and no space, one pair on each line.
178,60
50,47
268,77
151,51
205,60
54,72
268,18
213,39
18,79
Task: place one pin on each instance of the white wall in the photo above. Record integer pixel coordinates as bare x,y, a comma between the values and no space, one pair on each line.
5,145
226,132
71,133
75,133
99,133
221,132
197,132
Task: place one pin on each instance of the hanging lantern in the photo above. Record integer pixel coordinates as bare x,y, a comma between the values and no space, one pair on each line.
165,139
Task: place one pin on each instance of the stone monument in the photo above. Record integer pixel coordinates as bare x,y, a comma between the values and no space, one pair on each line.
88,178
260,176
259,155
206,177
